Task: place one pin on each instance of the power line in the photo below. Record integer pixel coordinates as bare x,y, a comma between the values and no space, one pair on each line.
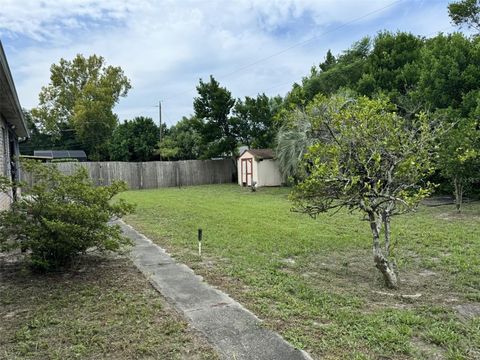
316,37
311,39
293,81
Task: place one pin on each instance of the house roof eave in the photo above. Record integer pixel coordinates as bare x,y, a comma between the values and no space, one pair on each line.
11,109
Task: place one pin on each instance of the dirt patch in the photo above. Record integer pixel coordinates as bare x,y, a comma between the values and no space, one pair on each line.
468,311
427,273
428,351
453,216
288,261
418,286
439,201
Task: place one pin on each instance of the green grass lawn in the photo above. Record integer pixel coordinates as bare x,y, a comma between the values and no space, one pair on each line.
103,309
314,280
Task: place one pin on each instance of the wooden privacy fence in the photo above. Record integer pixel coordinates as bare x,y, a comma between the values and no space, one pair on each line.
153,174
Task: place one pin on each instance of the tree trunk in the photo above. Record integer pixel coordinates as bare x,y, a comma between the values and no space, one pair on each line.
381,262
458,193
386,227
388,252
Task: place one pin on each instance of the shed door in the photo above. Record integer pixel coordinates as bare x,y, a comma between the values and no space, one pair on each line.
247,171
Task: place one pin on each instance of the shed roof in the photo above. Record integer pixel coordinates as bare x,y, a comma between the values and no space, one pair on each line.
61,154
261,153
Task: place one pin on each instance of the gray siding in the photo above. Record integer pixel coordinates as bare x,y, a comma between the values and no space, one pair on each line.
5,199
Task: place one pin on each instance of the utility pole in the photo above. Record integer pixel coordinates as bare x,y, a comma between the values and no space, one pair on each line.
160,120
159,124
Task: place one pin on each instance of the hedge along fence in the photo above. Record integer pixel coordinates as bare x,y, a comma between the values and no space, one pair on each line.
153,174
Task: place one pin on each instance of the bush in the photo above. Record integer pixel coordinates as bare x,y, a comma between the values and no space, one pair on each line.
61,216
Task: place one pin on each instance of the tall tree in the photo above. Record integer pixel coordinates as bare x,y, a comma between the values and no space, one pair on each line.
80,97
134,140
334,74
254,120
213,107
459,155
391,65
465,12
366,158
449,70
329,61
183,141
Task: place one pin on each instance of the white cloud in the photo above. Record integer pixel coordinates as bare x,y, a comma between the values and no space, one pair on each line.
42,20
165,46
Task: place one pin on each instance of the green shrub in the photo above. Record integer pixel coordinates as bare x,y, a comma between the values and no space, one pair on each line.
62,216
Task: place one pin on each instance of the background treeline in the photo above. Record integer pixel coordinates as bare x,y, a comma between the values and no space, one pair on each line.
438,75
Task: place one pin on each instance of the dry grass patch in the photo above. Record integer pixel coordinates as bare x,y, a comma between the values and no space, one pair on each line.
104,309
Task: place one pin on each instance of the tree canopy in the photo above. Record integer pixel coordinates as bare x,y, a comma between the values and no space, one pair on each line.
253,118
417,74
134,140
212,107
80,98
465,12
183,141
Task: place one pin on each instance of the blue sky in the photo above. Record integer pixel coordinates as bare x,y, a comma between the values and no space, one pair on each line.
165,46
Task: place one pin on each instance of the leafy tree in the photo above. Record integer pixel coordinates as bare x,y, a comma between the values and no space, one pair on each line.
212,107
391,65
459,160
80,97
344,71
62,217
168,149
37,140
415,73
465,12
367,158
449,70
329,62
134,140
254,120
183,141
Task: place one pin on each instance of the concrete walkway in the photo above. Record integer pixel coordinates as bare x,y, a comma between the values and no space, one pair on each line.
234,331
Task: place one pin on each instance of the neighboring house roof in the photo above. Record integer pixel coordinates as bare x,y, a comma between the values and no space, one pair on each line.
10,108
60,154
260,153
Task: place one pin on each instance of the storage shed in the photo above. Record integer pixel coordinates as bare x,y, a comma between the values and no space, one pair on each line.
259,167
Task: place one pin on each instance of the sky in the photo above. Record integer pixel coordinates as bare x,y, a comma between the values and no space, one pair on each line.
166,46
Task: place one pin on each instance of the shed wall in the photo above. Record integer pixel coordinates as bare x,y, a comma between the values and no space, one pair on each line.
269,173
265,172
247,155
